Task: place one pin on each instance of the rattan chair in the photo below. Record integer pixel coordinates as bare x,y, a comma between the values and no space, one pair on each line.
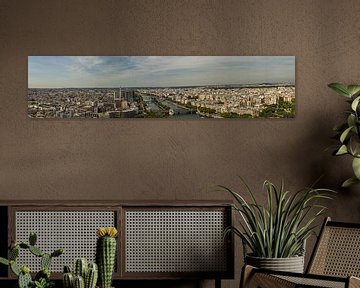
334,263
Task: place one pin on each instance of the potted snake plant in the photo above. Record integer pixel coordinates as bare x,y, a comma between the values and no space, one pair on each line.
349,132
274,234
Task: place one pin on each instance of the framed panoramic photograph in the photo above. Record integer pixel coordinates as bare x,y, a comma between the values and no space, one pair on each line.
178,87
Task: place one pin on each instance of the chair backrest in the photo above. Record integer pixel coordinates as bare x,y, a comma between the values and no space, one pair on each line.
337,251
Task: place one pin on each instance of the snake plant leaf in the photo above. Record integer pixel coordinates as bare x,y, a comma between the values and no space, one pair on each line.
278,228
342,150
354,90
349,182
345,134
340,88
356,167
355,103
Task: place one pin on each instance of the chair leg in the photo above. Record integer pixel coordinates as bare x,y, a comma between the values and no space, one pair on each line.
354,282
217,283
246,273
251,279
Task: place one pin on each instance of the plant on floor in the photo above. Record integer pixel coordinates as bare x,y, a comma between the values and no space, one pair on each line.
85,275
278,229
106,254
42,278
349,132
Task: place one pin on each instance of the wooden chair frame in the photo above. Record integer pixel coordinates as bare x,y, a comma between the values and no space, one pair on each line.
255,277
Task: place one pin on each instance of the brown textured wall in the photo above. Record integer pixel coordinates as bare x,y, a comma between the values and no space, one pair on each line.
163,159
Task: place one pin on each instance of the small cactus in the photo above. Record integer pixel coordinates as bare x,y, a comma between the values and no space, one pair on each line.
68,280
24,246
13,253
44,273
25,269
57,252
80,268
91,276
67,269
14,268
106,254
36,251
89,272
45,261
32,238
79,282
24,278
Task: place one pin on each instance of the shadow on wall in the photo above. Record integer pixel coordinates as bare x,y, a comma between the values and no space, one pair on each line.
335,170
323,164
310,154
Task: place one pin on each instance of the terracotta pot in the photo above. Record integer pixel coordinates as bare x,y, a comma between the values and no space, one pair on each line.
291,264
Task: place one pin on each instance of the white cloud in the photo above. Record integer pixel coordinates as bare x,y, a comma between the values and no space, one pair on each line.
85,62
113,71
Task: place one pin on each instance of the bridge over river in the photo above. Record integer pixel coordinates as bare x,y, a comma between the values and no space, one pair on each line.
179,111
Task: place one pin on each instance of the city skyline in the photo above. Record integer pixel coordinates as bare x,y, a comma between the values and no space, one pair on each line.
157,71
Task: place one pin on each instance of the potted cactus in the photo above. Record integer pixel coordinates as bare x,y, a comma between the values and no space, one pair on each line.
106,254
42,278
85,275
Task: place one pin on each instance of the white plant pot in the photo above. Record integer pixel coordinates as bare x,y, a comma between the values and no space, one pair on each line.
291,264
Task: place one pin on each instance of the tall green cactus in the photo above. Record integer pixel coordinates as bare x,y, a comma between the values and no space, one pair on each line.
106,254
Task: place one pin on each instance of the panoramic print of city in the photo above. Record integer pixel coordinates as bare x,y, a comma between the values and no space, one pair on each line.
179,87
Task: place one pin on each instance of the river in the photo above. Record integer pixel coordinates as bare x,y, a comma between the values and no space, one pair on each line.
179,112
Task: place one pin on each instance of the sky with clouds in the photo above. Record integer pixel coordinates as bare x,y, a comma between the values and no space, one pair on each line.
147,71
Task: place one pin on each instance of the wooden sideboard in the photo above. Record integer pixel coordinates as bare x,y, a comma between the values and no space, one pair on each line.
163,240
